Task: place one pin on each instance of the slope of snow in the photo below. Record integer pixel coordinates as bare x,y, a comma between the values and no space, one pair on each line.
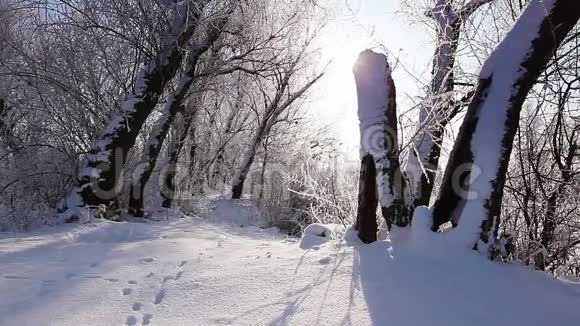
193,272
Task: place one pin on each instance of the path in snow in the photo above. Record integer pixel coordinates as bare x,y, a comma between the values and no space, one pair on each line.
193,272
182,272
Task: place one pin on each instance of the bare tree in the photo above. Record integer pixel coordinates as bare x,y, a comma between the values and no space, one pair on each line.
475,176
174,106
278,97
100,175
441,105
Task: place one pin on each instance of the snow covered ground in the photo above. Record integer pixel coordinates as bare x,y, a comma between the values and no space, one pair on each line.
194,271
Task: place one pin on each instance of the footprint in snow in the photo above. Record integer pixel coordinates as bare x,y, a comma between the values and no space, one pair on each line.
127,291
137,306
131,320
196,285
159,297
182,263
146,319
147,260
151,274
223,321
178,275
172,277
325,261
132,282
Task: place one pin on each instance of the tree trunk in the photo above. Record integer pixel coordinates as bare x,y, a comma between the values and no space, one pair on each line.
238,188
100,174
263,172
377,113
168,188
6,131
550,223
175,105
476,172
434,115
366,217
397,211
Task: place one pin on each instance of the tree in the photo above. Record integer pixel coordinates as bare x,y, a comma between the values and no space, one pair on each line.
276,103
440,106
101,171
174,106
381,180
472,189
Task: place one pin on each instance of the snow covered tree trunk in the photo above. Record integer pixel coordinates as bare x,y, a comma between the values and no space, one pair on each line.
472,189
100,174
434,115
380,171
175,105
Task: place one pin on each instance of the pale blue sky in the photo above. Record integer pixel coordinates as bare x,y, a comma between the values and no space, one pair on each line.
374,22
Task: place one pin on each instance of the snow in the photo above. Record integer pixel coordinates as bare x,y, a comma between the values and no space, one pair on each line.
504,67
372,72
193,271
316,234
323,230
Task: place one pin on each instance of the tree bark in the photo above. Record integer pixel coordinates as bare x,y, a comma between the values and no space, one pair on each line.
472,188
366,217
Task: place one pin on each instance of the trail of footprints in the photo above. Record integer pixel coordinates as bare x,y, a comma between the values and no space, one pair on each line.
137,307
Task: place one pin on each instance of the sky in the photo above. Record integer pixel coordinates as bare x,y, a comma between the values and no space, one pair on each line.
359,25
